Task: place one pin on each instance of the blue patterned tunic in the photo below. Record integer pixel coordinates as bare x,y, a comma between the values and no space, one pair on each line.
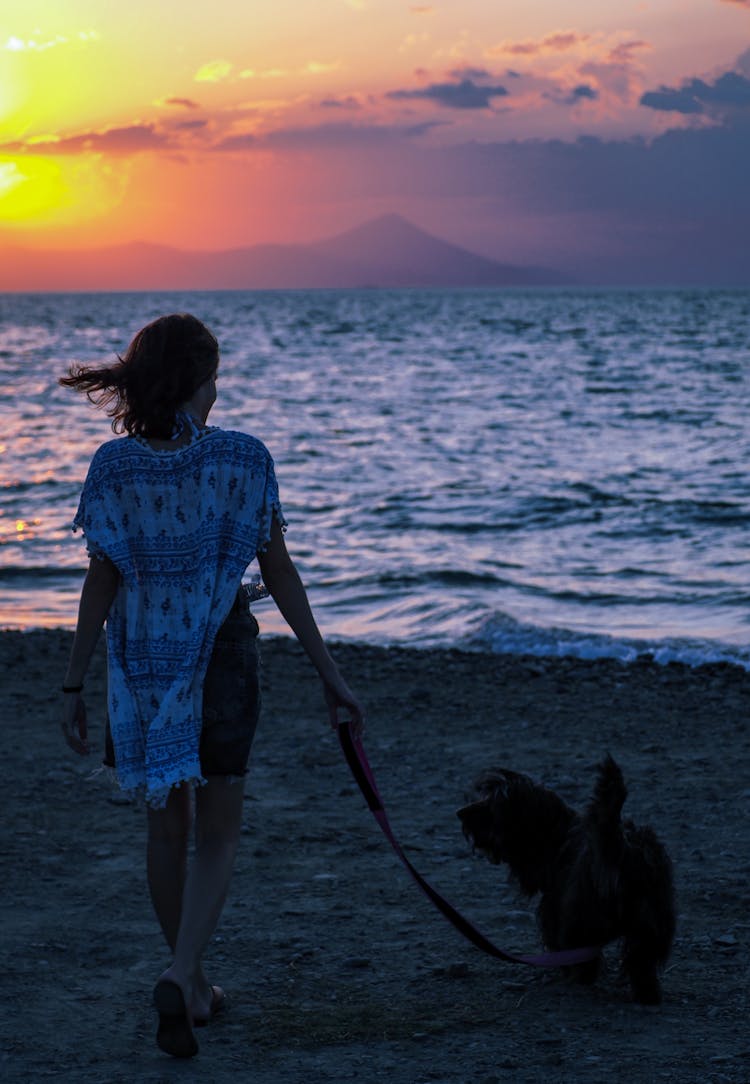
181,526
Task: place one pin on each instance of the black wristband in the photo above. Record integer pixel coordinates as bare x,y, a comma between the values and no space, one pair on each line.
72,688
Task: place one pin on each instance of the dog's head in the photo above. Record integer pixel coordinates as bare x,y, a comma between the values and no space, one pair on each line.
478,824
482,819
516,821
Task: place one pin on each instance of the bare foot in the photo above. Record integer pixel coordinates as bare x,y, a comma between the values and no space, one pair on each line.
211,1002
175,1033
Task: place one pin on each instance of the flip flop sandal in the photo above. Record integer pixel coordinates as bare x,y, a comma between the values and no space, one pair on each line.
175,1033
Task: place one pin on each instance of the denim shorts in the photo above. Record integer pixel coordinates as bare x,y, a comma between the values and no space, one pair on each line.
231,696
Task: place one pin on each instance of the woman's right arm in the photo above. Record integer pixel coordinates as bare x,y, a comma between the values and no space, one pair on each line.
287,590
99,590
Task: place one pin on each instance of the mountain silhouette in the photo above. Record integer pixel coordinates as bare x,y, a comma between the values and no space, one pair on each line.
385,252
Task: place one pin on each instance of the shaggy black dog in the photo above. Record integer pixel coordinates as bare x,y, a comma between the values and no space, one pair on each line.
601,878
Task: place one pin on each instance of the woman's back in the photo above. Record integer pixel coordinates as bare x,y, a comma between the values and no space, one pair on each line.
181,525
160,511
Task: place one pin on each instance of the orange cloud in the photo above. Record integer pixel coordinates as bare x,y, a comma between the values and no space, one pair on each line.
594,68
623,53
558,42
129,139
617,74
187,103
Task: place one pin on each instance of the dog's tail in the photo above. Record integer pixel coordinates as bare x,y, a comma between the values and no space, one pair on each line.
609,795
603,825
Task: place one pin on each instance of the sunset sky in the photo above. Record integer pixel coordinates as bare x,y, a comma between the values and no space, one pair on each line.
583,135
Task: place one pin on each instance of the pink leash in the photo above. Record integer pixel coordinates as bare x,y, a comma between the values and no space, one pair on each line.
362,772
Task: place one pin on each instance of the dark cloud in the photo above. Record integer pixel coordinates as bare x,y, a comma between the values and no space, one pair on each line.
669,99
340,103
672,209
470,73
729,91
463,95
246,141
583,92
342,136
186,103
189,125
684,172
130,139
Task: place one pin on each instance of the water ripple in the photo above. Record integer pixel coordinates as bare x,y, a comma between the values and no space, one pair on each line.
570,460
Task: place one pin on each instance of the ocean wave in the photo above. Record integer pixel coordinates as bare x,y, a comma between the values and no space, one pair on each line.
503,635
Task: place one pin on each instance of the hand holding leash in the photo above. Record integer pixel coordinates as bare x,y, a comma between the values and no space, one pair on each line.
340,697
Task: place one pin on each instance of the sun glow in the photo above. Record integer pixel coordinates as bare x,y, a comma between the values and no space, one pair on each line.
10,176
39,191
31,190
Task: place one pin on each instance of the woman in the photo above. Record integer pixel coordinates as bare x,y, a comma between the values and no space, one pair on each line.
173,514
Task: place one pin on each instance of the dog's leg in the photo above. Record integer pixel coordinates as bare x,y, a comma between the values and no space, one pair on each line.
558,933
642,972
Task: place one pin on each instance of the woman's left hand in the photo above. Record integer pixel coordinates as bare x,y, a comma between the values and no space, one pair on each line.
74,724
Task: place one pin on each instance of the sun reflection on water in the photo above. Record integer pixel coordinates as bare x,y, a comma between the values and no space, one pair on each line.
18,530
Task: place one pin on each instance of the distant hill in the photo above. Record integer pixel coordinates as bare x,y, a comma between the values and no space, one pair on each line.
394,252
385,252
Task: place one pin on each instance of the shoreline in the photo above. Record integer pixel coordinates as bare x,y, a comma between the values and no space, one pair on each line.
645,660
336,967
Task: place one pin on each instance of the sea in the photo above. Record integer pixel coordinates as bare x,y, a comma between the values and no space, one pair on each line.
547,471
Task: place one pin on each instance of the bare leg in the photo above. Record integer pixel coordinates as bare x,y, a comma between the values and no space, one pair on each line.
166,859
218,818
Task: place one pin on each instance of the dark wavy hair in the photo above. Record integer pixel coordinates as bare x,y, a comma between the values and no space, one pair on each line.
164,366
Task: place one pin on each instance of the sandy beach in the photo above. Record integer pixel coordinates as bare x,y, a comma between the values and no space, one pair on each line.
336,967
